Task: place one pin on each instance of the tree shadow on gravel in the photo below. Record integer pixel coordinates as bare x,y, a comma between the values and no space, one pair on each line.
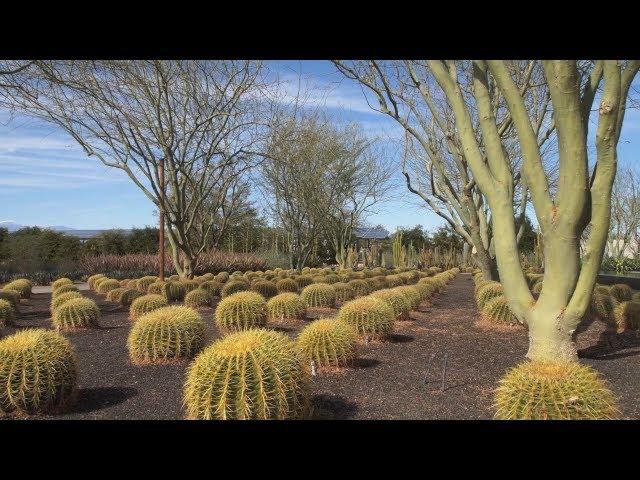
332,407
364,362
92,399
398,338
609,343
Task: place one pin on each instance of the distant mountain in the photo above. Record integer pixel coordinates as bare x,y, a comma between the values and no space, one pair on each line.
11,225
83,234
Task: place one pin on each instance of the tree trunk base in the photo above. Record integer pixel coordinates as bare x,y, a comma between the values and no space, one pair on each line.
559,348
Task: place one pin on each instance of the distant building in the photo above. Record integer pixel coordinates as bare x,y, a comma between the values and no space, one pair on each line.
366,235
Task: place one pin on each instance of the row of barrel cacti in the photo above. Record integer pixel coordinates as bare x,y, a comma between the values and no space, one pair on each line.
10,296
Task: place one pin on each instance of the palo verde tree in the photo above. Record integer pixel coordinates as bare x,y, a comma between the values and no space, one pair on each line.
435,164
581,198
202,122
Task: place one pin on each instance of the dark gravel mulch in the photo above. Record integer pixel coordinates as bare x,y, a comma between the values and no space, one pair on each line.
397,379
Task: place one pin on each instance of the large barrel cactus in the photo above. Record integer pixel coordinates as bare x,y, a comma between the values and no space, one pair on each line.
254,374
198,298
285,307
319,295
327,343
369,316
145,304
76,313
241,311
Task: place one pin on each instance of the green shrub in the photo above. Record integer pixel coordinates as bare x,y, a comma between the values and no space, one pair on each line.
61,281
233,286
76,313
37,371
621,292
265,288
370,316
145,304
165,335
496,310
554,391
284,307
287,285
396,300
627,315
328,343
198,298
319,295
105,285
173,291
241,311
255,374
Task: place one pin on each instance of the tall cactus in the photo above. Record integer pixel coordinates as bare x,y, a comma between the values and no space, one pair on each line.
399,253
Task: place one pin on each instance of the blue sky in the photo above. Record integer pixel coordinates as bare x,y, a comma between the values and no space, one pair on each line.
46,179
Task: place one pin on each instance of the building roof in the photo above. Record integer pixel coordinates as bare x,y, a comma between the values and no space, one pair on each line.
374,233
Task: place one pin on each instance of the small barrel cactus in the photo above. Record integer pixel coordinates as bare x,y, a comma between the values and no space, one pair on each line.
63,289
627,316
115,294
537,287
198,298
255,374
165,335
61,281
396,300
189,285
394,281
497,310
60,299
105,285
222,277
233,286
173,291
265,288
328,343
11,296
304,281
621,292
213,287
21,285
92,280
284,307
487,292
7,313
129,295
143,283
602,306
98,281
411,293
370,316
541,390
360,287
344,292
319,295
156,287
37,372
241,311
76,313
145,304
287,285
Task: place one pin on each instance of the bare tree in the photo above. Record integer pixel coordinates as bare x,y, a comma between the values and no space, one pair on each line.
435,164
624,233
201,122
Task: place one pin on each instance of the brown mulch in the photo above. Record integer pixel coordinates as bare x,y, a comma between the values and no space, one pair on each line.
397,379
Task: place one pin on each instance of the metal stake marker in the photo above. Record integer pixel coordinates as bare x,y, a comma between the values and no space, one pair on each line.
444,371
426,373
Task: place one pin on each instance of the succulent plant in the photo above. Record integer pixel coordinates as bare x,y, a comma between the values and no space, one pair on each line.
173,291
627,315
425,290
496,310
129,295
145,304
370,316
233,286
394,281
331,278
304,281
222,277
621,292
542,390
11,296
396,300
319,295
166,334
328,343
21,285
76,313
284,307
537,287
635,297
7,313
412,294
265,288
602,306
241,311
143,283
487,292
287,285
173,278
189,285
61,281
360,287
63,289
98,281
344,292
255,374
605,289
105,285
60,299
92,280
156,287
115,294
37,371
533,278
213,287
198,298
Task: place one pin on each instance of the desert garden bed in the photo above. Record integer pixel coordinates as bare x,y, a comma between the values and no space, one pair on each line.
400,378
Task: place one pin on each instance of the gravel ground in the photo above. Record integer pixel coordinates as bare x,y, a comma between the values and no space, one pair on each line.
387,381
